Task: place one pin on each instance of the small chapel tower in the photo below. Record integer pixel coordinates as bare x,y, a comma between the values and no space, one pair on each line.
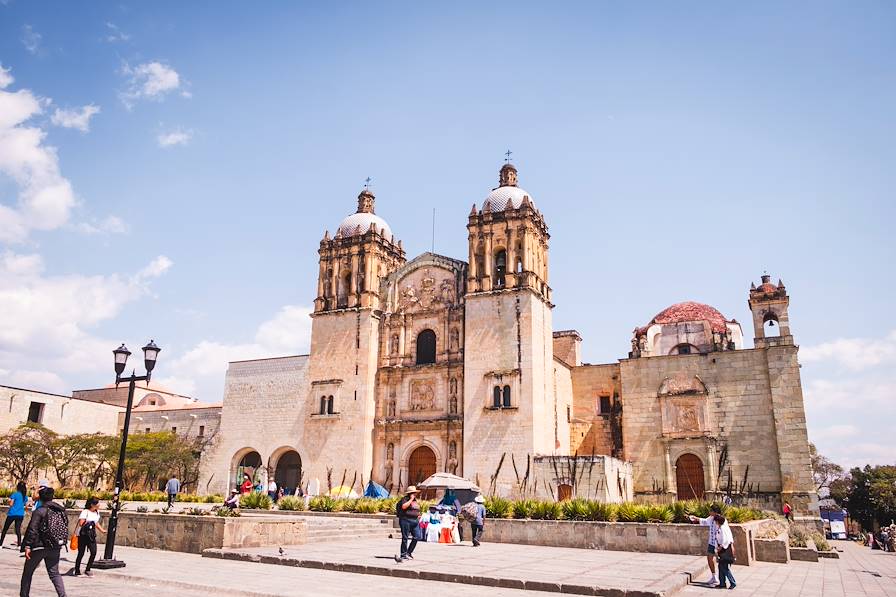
771,323
510,407
345,331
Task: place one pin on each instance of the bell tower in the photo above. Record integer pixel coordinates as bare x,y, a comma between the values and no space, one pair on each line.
769,304
509,404
345,331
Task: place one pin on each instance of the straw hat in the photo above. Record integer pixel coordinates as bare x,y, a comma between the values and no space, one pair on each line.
411,489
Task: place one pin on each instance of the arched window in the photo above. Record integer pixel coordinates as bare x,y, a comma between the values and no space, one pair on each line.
500,268
771,326
330,410
426,347
496,397
345,289
506,394
323,405
684,349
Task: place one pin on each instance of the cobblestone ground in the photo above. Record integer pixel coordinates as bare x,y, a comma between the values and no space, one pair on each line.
859,572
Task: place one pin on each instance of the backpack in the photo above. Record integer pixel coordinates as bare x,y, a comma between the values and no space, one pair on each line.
469,511
53,530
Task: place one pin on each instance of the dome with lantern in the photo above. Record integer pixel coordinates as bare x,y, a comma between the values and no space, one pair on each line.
361,221
507,193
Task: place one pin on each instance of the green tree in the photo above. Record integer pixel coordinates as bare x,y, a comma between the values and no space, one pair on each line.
23,450
871,495
152,457
75,457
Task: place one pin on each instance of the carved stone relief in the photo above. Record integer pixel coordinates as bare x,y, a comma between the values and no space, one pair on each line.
422,395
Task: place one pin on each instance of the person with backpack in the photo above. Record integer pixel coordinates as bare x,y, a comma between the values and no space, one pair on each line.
46,534
16,513
408,511
88,523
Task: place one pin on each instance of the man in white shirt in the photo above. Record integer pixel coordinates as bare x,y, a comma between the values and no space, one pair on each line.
272,489
710,522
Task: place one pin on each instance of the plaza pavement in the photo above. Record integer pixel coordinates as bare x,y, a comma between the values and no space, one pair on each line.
530,567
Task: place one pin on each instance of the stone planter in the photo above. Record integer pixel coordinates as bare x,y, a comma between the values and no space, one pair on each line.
773,550
804,554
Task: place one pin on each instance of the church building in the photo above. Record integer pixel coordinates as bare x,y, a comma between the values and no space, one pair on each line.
440,364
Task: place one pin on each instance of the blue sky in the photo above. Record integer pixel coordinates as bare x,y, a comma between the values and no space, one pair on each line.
167,171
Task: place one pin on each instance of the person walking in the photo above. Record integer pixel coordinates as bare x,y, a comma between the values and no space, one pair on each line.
172,488
16,513
710,522
88,523
408,511
46,534
479,523
788,512
725,551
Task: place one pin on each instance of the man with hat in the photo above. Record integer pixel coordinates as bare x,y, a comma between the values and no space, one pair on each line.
479,523
408,511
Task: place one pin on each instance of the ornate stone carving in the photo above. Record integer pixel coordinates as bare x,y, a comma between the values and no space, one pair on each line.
447,291
682,383
423,395
684,416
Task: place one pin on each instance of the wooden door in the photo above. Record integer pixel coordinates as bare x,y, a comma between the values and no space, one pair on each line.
689,477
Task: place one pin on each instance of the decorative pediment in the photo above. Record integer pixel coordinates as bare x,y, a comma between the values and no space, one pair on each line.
682,384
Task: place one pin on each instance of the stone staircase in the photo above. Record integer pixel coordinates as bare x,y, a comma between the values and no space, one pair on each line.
339,528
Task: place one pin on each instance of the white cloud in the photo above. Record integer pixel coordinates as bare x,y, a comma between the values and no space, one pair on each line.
176,137
150,80
199,371
115,34
31,39
108,225
849,387
45,198
75,118
47,322
856,354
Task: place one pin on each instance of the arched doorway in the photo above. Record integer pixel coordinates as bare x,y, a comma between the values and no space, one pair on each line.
421,465
689,477
288,473
249,463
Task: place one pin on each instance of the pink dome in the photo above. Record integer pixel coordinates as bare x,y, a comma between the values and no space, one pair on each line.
690,311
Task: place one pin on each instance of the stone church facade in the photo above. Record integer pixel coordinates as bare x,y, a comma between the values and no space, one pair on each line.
440,364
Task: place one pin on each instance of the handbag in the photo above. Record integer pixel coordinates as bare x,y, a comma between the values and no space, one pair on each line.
727,556
73,544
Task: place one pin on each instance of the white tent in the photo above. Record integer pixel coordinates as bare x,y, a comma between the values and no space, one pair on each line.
448,481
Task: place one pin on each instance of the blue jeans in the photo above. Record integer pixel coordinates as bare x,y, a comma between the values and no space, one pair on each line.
725,573
408,531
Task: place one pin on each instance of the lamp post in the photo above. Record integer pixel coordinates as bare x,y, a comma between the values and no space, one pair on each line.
150,354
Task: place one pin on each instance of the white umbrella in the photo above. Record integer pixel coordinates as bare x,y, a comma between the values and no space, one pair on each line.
448,481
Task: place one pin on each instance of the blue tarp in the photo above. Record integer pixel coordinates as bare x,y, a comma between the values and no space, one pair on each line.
375,490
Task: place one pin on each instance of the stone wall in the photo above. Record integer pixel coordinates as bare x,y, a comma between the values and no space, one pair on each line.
203,421
265,410
590,429
735,411
601,478
62,414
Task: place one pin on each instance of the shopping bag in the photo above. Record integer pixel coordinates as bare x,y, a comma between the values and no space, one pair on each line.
73,545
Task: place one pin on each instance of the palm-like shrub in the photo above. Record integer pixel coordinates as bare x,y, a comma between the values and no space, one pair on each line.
547,510
498,507
821,544
345,504
289,502
367,506
523,508
601,511
323,503
628,512
387,505
576,509
256,501
658,513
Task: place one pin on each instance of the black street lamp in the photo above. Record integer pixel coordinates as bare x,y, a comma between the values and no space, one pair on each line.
150,354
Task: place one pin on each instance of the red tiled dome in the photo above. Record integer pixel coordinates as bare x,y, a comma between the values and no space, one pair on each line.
767,287
690,311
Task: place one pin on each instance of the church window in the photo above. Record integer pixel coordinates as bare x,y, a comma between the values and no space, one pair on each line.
500,268
496,397
685,349
323,405
426,347
330,410
506,396
345,288
605,406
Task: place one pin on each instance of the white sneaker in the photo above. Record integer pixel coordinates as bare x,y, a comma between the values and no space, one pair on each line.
713,581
